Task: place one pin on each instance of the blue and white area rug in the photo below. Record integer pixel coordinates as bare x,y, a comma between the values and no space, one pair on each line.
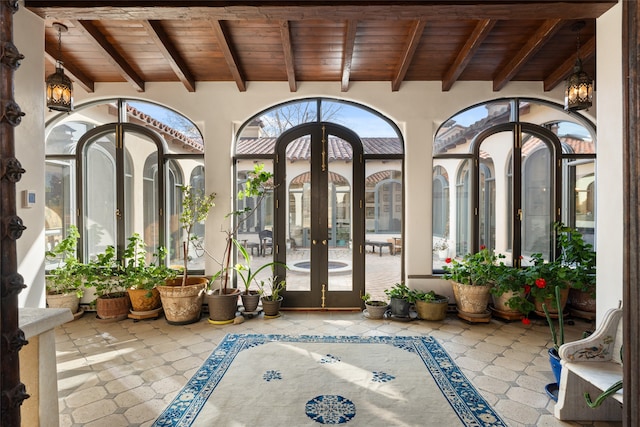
283,380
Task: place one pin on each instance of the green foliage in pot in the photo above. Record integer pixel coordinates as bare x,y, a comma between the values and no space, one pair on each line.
135,273
579,256
271,288
259,183
557,334
244,271
67,277
368,300
195,209
430,296
401,291
474,269
102,274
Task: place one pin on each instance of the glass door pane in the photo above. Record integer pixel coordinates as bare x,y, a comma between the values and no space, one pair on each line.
537,198
298,251
99,183
339,197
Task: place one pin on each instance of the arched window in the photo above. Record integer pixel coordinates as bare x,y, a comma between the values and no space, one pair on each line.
127,157
522,165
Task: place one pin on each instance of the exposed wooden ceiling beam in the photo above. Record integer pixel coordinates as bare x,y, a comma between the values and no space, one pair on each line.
229,55
112,55
586,51
77,76
347,52
410,50
480,32
170,53
285,34
533,45
330,10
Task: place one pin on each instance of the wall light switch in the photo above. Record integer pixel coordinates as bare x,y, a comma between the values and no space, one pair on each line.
28,198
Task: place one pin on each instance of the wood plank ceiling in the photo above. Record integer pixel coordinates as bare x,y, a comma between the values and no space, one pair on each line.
335,41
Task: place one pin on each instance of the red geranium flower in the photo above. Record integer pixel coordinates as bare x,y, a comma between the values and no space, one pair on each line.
527,289
483,247
541,283
448,260
526,321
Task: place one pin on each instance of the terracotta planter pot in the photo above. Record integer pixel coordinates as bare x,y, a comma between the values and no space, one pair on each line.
471,299
182,305
70,301
581,300
114,308
223,307
500,302
551,304
433,310
271,308
144,300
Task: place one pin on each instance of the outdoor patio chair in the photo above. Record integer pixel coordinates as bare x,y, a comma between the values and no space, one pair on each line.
266,241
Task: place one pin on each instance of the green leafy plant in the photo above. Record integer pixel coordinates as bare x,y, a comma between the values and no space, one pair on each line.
271,288
195,209
475,269
245,273
67,277
258,185
401,291
101,274
430,296
579,256
135,273
369,300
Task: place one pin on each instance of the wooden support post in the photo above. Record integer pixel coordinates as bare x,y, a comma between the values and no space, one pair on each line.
12,339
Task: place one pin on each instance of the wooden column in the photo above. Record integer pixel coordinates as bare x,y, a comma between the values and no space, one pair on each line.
12,338
631,190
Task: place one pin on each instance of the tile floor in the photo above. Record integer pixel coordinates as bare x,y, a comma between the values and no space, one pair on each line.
124,373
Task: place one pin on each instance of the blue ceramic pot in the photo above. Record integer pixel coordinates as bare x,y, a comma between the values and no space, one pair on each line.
556,367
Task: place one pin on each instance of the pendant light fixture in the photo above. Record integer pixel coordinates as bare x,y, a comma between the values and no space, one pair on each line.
59,86
578,94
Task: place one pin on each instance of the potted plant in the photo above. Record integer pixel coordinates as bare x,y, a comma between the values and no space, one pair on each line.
103,275
580,257
182,297
557,337
64,284
431,306
141,279
401,298
250,298
541,280
506,291
271,298
223,301
472,279
374,308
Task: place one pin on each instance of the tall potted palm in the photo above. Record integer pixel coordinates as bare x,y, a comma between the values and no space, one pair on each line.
182,297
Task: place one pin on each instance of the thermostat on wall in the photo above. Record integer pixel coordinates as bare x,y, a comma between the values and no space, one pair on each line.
28,198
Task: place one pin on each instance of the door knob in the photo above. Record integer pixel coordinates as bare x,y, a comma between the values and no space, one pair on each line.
314,241
324,242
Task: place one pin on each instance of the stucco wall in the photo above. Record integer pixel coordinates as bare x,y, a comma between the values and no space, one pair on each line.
418,108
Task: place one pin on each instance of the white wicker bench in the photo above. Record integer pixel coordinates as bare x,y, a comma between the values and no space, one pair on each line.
592,365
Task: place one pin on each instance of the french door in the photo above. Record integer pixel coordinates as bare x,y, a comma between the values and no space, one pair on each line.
117,195
319,207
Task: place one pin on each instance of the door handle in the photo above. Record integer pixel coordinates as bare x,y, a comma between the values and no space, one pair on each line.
314,241
324,242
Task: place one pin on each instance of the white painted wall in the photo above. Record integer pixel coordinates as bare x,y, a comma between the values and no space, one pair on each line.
418,108
28,35
609,166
